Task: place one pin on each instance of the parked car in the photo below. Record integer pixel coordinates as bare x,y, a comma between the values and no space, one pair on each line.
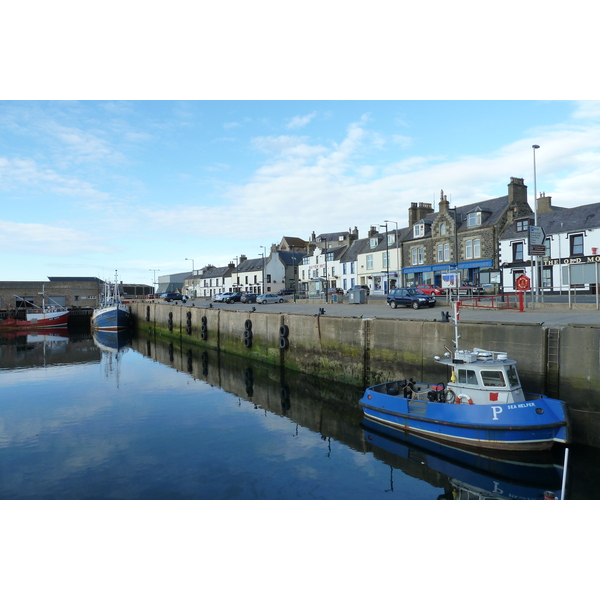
248,298
286,292
268,298
218,297
335,291
361,287
231,297
430,289
409,297
470,289
170,296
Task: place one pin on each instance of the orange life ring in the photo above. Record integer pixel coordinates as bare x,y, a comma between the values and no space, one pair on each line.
467,399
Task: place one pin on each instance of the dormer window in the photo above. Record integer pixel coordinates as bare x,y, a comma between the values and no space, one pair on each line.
374,243
522,225
419,230
390,239
474,219
443,229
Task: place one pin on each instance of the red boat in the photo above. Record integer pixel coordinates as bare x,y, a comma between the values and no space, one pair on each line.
38,320
37,317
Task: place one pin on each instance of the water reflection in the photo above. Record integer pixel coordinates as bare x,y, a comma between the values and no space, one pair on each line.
469,475
188,422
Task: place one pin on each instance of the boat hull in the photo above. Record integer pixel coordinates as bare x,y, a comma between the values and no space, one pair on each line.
532,425
111,318
38,321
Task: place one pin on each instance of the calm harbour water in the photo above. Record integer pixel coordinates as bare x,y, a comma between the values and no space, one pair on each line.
157,421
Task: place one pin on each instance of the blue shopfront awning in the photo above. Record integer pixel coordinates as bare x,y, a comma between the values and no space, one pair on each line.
472,264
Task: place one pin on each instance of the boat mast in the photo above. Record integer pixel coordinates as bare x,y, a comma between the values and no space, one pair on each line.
456,318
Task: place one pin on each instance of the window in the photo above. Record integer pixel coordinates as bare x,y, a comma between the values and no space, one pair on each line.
468,249
443,229
467,376
472,249
517,249
268,278
413,256
440,252
493,378
385,260
306,260
344,268
419,230
332,271
421,255
522,225
474,219
390,239
446,252
374,243
351,282
345,283
329,256
324,272
577,245
351,267
369,262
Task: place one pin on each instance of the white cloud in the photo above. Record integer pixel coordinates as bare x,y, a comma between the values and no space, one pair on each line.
45,240
300,121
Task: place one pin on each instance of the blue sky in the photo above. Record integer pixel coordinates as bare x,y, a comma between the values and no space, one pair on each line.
90,187
206,135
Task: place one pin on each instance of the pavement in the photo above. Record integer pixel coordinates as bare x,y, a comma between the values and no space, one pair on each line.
549,312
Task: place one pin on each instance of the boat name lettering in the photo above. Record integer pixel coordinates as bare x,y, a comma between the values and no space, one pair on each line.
496,410
524,405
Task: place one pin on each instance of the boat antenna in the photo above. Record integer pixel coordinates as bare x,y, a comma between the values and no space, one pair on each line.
456,319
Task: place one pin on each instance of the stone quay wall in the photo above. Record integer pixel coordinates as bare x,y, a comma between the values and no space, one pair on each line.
563,362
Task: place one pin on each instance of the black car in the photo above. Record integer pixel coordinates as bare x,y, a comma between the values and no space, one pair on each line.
409,297
248,298
170,296
231,297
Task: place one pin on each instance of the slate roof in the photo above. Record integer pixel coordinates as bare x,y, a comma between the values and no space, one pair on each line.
95,279
251,264
291,258
568,219
212,272
354,250
492,211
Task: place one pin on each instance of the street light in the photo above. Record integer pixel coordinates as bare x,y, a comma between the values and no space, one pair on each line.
535,275
154,278
192,264
397,251
264,254
387,257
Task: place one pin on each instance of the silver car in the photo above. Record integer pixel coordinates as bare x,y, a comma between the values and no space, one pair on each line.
267,298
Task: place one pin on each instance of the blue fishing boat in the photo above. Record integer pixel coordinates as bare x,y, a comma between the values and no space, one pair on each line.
112,313
483,405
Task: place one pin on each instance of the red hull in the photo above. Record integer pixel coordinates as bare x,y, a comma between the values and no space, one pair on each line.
60,320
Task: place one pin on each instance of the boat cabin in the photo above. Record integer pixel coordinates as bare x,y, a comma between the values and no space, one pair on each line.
483,377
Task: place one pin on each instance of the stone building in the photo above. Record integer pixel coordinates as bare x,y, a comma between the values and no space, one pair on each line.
464,238
78,292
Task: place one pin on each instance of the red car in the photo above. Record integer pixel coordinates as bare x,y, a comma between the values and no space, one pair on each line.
430,290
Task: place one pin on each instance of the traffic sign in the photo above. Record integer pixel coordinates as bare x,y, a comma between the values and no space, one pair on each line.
537,250
537,235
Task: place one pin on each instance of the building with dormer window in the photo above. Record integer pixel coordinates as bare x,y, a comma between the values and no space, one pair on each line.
463,238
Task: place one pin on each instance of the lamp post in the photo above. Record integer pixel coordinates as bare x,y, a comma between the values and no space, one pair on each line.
154,278
535,274
264,255
387,257
397,251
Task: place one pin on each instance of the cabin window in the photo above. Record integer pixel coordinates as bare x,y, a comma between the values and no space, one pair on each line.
513,378
467,376
493,378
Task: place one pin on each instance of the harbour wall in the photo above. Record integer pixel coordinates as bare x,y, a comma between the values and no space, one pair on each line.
561,361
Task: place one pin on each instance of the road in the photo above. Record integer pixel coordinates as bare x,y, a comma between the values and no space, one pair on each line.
549,313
